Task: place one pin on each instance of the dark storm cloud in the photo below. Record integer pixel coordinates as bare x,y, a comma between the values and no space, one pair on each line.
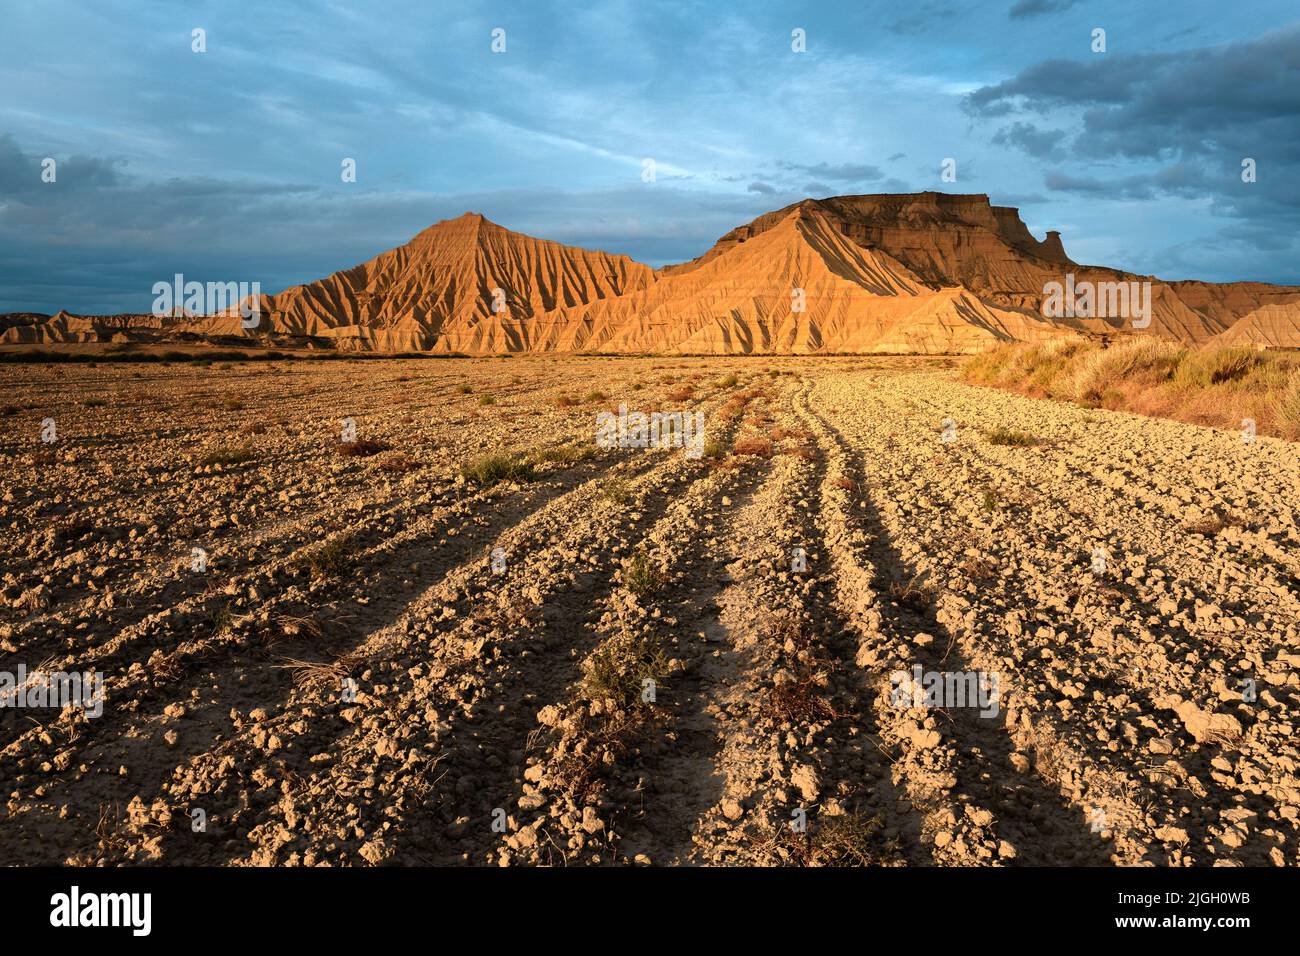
1162,125
1159,104
21,172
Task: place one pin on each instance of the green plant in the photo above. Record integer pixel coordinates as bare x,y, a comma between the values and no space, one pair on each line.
641,575
228,455
492,469
330,557
616,490
1009,436
618,669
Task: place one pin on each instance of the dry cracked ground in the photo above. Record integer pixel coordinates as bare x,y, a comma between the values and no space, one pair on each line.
396,650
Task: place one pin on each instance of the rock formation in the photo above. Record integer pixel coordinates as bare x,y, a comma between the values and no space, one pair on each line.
924,272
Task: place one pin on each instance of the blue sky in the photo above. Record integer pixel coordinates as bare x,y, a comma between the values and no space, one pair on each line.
225,165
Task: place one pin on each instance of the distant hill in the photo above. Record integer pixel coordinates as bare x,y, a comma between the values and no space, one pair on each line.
923,272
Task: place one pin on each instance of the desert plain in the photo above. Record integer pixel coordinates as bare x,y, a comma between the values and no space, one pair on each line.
384,611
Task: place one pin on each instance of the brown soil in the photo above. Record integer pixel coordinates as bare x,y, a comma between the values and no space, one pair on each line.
568,654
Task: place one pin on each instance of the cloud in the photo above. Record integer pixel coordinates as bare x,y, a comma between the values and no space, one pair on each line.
844,172
21,172
1153,127
1024,9
1040,143
101,250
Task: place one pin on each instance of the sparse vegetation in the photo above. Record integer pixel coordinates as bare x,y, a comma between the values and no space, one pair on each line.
492,469
330,557
915,593
397,463
754,446
850,839
361,448
618,668
1216,385
641,575
1009,436
616,490
228,455
561,455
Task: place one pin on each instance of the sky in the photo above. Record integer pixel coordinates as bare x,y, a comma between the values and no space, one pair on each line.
227,164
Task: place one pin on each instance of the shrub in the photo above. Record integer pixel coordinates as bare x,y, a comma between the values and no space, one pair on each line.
1097,373
228,455
1009,436
327,558
1214,366
492,469
641,575
361,448
1286,408
618,669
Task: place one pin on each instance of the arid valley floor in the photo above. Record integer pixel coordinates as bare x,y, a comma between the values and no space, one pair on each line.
401,649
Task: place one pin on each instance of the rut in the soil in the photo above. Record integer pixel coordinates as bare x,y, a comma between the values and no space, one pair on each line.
1043,827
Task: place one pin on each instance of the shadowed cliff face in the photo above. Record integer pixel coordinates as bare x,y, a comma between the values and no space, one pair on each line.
923,272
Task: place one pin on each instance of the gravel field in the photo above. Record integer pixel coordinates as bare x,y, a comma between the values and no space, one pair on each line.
412,612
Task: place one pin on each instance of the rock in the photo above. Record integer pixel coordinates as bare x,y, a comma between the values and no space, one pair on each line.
374,852
1171,835
1205,725
805,778
732,810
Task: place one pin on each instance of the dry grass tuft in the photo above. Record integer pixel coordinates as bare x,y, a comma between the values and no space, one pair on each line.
330,557
916,593
361,448
754,446
1217,386
487,471
228,455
